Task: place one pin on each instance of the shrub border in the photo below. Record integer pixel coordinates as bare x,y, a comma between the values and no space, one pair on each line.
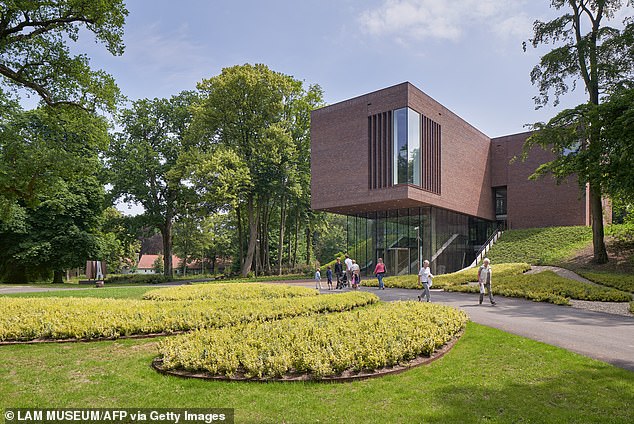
345,377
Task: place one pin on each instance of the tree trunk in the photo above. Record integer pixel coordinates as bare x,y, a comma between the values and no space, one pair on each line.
58,277
280,244
295,248
166,232
240,235
308,244
253,236
598,240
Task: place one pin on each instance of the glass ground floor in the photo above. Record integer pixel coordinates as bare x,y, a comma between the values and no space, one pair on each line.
404,238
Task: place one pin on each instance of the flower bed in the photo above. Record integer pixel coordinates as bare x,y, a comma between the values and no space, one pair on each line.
371,338
445,280
623,282
235,291
547,287
26,319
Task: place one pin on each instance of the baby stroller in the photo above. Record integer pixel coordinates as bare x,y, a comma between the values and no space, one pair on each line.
343,282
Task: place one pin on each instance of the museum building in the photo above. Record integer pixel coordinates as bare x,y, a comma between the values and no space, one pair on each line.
418,182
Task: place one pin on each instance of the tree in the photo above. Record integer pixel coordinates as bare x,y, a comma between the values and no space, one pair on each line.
55,227
252,111
34,51
120,245
601,56
143,162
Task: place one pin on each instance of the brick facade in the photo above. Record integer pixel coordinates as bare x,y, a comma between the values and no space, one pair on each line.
471,166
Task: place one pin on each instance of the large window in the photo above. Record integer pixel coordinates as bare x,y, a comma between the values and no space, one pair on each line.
407,165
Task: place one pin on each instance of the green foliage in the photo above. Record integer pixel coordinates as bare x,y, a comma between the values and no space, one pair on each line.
381,336
547,287
624,282
35,53
235,291
53,199
137,279
540,246
446,280
90,318
144,162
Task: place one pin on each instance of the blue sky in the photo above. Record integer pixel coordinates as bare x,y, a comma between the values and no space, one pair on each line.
467,54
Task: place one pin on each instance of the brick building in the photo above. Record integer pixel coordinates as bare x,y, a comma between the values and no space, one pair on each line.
418,182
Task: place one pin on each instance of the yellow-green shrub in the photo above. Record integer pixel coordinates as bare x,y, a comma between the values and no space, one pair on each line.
445,280
364,339
547,287
235,291
90,318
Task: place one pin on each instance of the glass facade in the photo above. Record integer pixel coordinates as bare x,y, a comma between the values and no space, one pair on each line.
405,237
407,137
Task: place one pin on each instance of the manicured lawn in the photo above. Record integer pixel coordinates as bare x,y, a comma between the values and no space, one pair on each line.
489,376
540,246
104,292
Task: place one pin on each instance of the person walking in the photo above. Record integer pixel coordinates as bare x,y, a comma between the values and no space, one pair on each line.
348,263
318,279
329,277
379,272
484,279
356,274
339,273
425,279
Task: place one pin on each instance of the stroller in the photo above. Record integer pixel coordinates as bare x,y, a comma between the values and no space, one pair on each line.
343,281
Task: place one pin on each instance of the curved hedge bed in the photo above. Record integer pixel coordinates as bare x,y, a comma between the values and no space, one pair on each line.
547,287
371,338
25,319
235,291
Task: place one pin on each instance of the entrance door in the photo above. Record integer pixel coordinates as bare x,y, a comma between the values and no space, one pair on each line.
398,261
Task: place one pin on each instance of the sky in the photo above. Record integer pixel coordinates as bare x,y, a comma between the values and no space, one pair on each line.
466,54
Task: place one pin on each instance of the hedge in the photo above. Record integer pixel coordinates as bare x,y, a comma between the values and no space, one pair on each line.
623,282
24,319
364,339
547,287
445,280
137,279
235,291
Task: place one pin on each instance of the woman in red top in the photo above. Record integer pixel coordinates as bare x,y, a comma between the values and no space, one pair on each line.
379,272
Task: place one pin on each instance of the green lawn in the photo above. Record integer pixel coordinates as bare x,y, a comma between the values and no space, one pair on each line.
104,292
489,376
540,246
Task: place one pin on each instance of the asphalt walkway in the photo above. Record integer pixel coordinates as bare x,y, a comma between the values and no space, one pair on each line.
598,335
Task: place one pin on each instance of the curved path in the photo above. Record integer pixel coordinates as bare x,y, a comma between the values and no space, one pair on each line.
598,335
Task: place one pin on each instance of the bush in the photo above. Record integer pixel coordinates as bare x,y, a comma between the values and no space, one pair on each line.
381,336
235,291
92,318
623,282
540,246
547,287
137,279
445,280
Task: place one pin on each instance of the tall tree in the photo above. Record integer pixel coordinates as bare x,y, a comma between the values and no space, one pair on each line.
248,109
56,226
34,51
601,56
143,162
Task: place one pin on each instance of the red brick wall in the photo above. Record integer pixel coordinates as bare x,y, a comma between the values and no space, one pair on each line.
339,155
534,203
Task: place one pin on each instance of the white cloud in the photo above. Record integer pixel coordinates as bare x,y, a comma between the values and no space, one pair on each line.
417,20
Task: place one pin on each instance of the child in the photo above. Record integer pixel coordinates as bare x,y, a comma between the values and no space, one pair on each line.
329,276
318,279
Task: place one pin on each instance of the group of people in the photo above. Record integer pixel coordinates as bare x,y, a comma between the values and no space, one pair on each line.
352,277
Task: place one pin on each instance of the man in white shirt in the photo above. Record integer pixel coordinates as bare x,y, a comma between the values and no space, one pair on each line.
348,263
425,277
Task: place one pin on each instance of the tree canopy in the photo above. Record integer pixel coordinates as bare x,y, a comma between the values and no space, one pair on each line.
34,51
602,57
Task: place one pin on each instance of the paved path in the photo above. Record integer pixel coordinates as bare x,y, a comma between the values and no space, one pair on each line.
562,272
598,335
